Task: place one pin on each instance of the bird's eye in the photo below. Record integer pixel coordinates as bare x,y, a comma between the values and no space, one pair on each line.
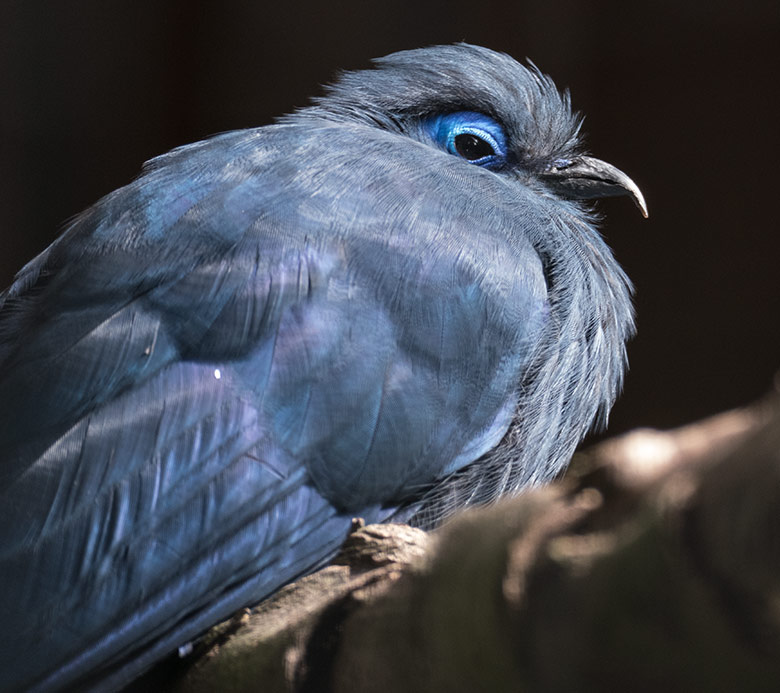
472,147
475,137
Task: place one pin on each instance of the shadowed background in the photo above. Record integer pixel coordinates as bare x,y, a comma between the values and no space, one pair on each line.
681,96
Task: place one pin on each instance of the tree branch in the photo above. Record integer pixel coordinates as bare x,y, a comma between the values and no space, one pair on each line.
655,564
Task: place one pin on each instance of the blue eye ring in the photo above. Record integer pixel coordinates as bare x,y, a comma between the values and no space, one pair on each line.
485,144
482,137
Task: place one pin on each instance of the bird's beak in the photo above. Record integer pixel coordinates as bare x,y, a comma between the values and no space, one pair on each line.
586,178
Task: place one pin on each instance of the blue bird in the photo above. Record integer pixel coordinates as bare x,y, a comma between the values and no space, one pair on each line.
389,304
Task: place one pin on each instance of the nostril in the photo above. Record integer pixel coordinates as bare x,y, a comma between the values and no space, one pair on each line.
562,163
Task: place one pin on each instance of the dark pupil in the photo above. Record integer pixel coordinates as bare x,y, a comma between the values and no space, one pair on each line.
472,147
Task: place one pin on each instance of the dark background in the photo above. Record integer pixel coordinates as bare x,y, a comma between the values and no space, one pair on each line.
681,95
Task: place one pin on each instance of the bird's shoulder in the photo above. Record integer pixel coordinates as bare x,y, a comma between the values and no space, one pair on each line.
288,252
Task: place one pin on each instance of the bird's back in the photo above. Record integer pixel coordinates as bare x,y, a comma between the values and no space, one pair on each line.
222,363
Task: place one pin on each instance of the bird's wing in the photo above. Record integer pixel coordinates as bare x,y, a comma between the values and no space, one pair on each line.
209,373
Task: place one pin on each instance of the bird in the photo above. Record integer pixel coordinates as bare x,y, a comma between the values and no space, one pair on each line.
391,303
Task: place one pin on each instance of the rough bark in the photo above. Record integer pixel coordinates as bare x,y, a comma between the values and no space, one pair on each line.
654,565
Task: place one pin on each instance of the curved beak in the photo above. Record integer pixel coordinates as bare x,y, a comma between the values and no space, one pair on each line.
587,178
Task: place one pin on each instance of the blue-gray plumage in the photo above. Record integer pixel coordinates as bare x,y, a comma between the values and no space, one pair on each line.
389,304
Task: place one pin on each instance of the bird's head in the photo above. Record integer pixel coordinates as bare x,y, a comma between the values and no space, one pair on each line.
483,107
